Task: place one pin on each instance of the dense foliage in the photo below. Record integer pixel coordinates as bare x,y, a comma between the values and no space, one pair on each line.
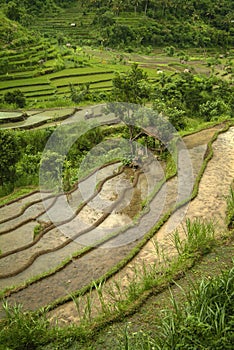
193,23
191,95
21,157
179,96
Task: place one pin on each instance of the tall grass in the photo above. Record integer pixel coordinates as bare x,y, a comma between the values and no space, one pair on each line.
199,238
204,320
230,209
142,278
22,330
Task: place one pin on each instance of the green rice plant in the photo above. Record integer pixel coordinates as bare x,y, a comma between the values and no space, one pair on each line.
84,307
76,301
149,276
22,330
37,230
22,83
87,316
199,238
144,277
230,209
104,304
116,294
159,252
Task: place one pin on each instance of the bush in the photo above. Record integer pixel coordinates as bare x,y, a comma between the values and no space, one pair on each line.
213,109
15,97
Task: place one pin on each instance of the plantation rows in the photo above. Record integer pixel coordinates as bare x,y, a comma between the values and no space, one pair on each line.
84,31
61,24
56,83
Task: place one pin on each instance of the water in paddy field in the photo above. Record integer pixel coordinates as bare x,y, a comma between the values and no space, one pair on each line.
218,176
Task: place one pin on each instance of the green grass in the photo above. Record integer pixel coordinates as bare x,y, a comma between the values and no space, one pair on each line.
66,73
82,79
203,321
230,209
22,83
40,93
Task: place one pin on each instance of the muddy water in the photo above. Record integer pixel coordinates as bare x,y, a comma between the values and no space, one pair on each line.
32,211
210,203
82,271
16,238
7,211
53,239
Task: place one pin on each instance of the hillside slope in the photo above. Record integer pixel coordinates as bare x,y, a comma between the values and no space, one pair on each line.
12,34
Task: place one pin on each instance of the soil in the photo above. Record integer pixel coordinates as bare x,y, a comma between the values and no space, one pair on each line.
210,203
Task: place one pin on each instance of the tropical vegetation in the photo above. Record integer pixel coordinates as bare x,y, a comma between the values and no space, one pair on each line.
175,57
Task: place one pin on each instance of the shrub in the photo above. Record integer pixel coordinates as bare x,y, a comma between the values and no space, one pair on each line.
22,330
15,97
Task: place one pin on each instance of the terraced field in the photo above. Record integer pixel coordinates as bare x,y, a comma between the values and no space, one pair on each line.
97,226
41,82
41,88
83,33
66,55
34,118
45,71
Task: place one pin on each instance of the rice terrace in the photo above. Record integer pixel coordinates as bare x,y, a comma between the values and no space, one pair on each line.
116,175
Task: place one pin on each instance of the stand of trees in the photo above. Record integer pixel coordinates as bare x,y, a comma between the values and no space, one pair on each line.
183,23
180,97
